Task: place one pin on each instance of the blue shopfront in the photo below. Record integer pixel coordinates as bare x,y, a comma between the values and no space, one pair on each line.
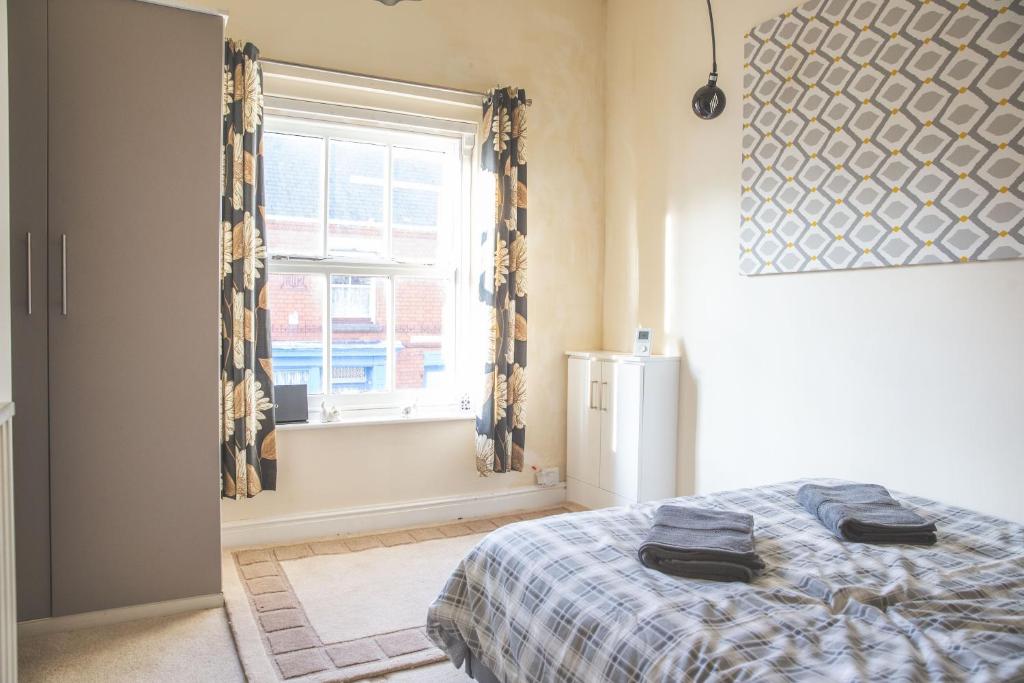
357,367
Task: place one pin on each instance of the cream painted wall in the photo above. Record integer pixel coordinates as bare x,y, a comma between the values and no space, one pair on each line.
329,469
556,51
912,377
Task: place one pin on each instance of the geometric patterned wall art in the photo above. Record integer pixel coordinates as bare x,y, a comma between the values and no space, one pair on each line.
883,133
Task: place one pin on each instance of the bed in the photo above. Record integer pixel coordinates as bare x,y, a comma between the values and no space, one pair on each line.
564,599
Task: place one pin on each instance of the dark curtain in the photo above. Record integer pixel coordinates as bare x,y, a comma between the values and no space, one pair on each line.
248,444
501,426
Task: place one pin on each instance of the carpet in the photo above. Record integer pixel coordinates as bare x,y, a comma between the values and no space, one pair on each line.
346,609
358,595
194,646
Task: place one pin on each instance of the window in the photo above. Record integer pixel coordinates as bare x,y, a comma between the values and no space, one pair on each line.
368,240
352,298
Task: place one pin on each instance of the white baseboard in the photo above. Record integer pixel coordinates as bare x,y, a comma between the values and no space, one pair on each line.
105,617
370,518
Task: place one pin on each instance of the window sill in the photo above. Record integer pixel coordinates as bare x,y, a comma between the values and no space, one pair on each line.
365,418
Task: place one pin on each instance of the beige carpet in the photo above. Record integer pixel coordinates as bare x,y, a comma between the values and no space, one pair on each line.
198,646
347,609
183,647
382,590
432,673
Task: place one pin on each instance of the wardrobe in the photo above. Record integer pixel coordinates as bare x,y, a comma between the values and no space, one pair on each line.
115,123
621,417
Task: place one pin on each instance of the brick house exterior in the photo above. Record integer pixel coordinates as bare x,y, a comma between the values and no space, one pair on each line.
359,318
359,341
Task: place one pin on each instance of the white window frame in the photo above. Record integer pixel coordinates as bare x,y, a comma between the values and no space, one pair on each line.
371,301
456,138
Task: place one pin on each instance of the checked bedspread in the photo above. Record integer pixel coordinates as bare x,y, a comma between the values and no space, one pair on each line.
565,599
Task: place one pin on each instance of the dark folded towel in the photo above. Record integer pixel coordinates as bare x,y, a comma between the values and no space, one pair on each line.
865,513
702,544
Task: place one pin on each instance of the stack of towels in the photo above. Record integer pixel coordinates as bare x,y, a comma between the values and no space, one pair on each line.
701,543
865,513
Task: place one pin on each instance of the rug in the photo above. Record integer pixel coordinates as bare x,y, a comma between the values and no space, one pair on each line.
345,609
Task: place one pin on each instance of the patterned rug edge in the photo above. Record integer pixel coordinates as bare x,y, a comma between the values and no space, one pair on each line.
361,672
310,663
257,665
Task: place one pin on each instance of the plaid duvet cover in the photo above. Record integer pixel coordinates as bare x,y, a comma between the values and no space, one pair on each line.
565,599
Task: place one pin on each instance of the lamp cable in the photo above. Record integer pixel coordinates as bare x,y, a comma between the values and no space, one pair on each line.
714,50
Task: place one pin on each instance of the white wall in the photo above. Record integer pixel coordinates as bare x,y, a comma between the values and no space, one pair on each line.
556,51
5,220
911,377
342,467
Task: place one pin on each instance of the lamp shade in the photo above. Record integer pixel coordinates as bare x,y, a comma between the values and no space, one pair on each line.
709,101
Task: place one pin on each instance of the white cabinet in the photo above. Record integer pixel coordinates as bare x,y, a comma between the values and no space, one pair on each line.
583,419
621,428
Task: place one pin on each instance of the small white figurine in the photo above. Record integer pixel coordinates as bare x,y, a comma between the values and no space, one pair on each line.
329,412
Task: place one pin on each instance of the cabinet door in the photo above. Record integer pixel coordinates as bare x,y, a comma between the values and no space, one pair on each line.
583,421
622,390
134,164
27,53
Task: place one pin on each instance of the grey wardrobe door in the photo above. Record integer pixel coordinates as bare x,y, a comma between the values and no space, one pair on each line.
27,72
134,213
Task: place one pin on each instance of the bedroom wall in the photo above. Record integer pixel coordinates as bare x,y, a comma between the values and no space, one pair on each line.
911,377
554,50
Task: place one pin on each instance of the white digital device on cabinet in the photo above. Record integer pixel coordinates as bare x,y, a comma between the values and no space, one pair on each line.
643,341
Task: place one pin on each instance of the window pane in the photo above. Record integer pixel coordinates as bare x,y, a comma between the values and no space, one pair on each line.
417,188
356,173
296,329
418,166
359,334
420,318
293,183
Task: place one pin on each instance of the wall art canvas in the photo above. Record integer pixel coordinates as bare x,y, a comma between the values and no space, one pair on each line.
883,133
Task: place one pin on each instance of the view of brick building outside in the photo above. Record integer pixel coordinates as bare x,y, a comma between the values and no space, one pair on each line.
359,315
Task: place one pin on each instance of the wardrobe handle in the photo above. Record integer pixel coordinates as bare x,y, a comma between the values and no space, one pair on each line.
64,274
28,270
604,390
593,385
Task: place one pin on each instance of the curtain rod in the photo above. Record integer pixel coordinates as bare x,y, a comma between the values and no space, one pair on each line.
396,81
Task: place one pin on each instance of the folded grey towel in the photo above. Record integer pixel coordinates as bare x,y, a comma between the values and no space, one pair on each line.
865,513
701,543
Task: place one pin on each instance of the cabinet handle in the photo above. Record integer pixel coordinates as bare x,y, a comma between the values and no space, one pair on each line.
593,385
28,270
64,275
604,390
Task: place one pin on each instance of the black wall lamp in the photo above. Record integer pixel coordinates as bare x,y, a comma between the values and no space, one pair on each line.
709,101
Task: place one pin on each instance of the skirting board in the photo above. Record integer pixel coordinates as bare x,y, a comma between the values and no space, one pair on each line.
105,617
274,530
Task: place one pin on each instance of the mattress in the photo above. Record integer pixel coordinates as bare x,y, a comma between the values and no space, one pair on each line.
565,599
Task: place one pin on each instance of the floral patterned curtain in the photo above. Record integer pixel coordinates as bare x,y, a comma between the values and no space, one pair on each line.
501,426
248,444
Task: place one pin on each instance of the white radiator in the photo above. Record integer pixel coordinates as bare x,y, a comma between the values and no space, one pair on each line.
8,607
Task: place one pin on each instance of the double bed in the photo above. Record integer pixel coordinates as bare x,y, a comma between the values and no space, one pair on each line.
565,599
